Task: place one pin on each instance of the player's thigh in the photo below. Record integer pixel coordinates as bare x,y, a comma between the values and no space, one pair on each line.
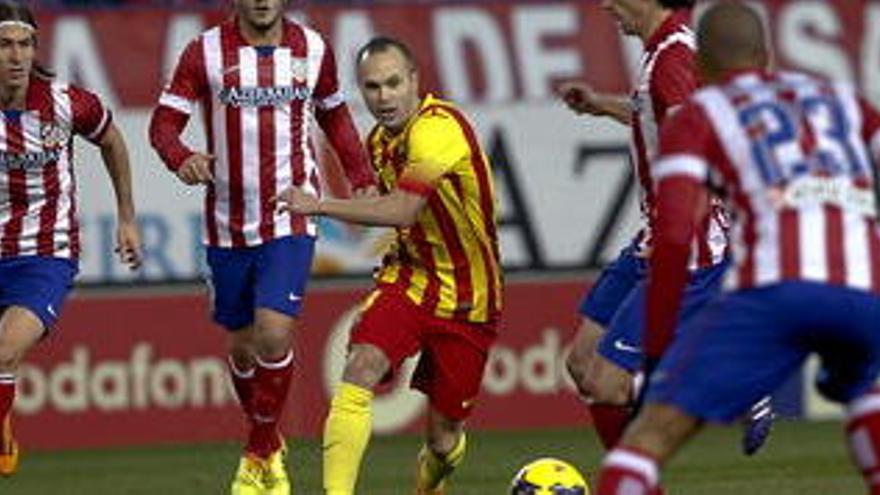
848,344
583,346
452,365
231,286
282,273
602,301
39,284
737,350
621,344
390,322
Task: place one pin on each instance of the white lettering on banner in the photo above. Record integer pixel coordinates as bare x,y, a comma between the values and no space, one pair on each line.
75,57
393,410
542,65
456,29
799,25
82,383
539,370
871,53
181,30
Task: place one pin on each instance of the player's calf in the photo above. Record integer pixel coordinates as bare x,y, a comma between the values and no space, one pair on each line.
863,436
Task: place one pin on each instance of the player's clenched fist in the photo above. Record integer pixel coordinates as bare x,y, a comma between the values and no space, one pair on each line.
196,169
580,98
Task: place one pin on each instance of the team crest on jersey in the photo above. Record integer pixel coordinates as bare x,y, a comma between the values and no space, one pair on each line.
299,69
54,135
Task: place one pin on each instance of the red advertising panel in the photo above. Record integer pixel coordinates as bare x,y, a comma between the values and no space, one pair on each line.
473,51
141,369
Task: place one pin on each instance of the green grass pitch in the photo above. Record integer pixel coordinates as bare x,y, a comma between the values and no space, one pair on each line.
801,459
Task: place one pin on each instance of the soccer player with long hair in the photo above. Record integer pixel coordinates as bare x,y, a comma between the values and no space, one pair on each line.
39,229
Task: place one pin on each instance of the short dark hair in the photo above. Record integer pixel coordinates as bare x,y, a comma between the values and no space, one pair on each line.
11,10
678,4
381,44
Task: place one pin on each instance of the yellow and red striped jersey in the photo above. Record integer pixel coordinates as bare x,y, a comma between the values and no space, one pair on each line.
448,261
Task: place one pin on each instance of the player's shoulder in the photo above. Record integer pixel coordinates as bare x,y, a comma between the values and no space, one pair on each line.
679,40
55,87
438,119
314,39
435,111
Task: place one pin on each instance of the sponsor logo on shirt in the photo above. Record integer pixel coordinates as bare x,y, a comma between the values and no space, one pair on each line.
28,160
268,96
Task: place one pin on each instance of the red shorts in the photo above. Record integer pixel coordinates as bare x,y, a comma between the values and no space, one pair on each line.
454,353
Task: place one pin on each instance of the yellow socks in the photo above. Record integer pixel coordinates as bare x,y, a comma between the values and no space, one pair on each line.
433,470
346,434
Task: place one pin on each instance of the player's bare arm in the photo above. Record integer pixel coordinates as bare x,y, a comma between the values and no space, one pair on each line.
582,99
115,156
397,209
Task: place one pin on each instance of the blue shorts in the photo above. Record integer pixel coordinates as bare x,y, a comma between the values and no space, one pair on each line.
38,283
744,344
272,275
613,286
622,342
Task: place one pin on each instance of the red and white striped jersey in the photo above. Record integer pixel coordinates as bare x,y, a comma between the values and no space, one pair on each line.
257,103
795,157
37,182
667,78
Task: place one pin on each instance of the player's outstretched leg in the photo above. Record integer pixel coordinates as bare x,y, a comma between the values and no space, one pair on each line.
758,425
346,434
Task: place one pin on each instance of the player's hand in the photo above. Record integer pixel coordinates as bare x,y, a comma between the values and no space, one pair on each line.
128,244
580,98
365,192
298,202
196,169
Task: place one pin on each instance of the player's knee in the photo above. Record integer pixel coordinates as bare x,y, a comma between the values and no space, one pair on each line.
366,366
273,342
9,358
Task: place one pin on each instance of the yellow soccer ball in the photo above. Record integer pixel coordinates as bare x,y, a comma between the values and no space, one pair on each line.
548,476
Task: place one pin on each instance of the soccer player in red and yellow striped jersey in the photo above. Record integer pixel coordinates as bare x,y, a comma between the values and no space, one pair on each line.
439,289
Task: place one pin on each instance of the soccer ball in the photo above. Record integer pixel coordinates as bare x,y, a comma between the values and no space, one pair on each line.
548,476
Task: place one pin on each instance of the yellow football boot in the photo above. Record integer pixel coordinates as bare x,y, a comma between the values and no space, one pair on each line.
8,448
275,478
249,477
422,474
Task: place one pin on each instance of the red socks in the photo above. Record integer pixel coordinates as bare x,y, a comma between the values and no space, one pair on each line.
7,393
626,471
863,436
610,422
243,383
269,387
